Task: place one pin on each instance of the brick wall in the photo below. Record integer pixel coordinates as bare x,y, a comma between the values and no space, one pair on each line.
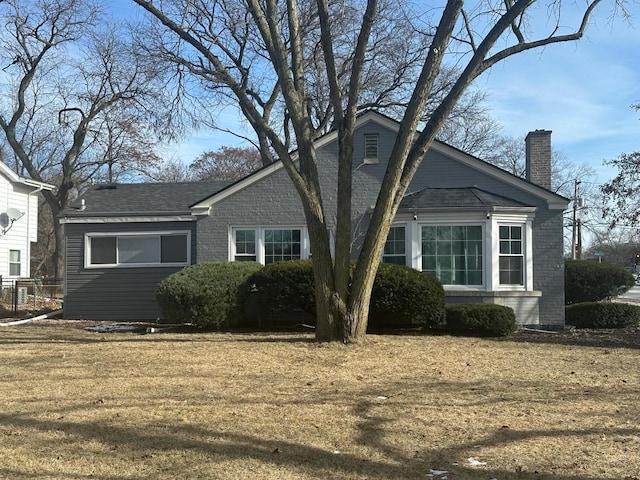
538,151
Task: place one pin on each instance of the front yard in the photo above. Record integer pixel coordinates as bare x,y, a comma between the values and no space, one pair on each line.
86,405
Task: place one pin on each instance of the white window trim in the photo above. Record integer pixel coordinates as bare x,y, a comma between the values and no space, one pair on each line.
305,246
491,224
19,263
90,235
526,223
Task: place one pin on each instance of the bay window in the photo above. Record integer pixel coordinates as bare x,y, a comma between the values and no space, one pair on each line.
453,253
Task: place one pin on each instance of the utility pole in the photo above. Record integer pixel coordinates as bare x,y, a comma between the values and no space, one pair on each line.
575,221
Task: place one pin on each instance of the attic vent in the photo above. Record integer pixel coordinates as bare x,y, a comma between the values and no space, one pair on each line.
370,148
109,186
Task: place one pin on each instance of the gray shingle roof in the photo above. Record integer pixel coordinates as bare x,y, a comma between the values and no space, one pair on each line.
469,198
143,198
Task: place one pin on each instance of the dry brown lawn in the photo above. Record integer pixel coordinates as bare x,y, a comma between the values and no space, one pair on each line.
86,405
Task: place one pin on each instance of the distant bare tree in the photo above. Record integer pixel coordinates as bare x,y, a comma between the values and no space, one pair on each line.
226,163
68,80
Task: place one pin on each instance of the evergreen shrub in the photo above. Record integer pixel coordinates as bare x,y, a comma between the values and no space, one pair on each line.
481,319
592,282
209,295
401,297
602,315
279,291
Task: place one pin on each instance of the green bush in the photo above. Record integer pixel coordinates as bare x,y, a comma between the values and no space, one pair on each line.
283,292
602,315
209,295
279,290
404,297
481,319
591,282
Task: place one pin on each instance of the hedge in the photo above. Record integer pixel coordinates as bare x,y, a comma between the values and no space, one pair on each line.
481,319
602,315
210,295
592,282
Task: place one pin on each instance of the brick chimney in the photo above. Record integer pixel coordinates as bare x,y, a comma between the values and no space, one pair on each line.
538,145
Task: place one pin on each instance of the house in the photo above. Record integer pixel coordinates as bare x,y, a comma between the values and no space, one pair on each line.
18,222
489,236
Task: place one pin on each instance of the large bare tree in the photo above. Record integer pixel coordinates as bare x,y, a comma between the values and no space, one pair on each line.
73,87
257,54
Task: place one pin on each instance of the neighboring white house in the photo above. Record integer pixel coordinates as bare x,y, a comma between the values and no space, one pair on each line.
18,222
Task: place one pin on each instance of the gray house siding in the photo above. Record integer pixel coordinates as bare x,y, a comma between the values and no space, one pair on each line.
274,202
114,293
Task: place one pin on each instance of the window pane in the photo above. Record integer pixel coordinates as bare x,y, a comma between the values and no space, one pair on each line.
453,253
395,247
14,263
173,248
103,251
139,249
511,271
280,245
245,258
245,243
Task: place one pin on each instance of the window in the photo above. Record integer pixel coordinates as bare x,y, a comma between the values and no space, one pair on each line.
453,253
245,246
371,147
15,266
511,263
281,245
148,249
269,245
395,247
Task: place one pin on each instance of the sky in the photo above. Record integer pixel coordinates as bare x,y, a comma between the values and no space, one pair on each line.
581,91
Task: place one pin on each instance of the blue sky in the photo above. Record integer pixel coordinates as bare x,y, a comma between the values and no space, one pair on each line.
582,91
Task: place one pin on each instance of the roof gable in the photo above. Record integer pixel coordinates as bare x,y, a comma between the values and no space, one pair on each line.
554,200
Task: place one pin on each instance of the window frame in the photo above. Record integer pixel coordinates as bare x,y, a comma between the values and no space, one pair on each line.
404,242
490,222
18,263
260,250
526,248
131,235
483,253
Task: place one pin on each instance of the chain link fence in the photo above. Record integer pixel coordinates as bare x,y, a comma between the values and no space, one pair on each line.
28,295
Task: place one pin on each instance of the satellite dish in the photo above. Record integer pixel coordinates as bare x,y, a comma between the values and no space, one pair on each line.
5,221
14,213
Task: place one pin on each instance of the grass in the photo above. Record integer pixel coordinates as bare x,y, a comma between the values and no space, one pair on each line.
85,405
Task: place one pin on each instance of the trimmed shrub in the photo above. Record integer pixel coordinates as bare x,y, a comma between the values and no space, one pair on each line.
279,290
209,295
591,282
481,319
602,315
403,297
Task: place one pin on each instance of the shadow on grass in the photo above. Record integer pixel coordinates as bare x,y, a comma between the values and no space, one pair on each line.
295,458
602,338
